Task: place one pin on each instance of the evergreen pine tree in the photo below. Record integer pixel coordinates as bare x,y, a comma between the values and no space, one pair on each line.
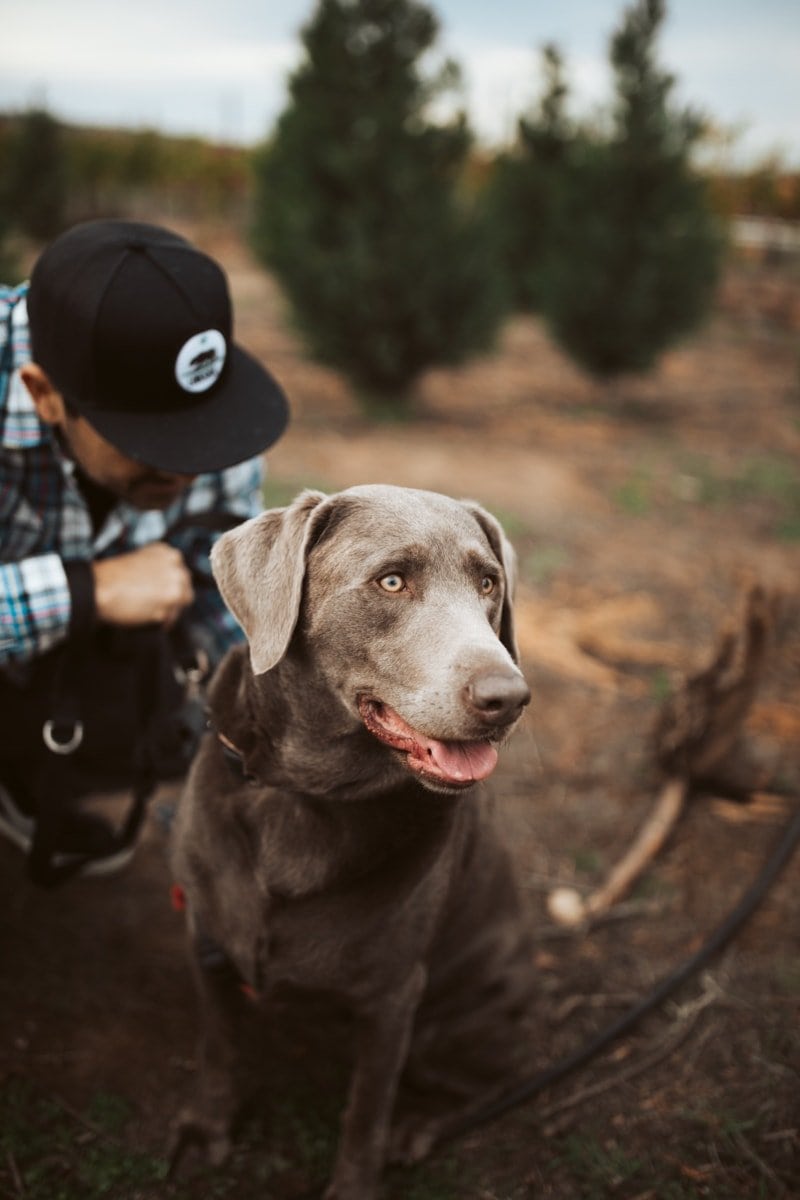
361,210
524,193
35,183
636,251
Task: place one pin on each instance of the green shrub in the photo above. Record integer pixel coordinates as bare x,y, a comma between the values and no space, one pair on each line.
634,249
524,191
361,208
34,175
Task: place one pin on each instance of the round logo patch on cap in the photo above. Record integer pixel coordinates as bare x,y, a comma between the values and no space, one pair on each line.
200,361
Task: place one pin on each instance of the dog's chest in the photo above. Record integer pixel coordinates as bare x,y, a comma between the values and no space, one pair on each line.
353,938
321,896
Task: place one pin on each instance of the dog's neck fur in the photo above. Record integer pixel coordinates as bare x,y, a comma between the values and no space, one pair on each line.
376,815
298,748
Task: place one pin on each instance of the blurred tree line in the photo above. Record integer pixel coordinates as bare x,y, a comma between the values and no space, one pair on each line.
361,208
53,175
400,244
768,189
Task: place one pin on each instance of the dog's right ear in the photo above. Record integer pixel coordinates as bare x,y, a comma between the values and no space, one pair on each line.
259,567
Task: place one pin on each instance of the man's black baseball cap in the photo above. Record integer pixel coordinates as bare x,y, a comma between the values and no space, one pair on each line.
133,325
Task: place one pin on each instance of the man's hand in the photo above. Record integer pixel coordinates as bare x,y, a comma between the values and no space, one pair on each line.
147,585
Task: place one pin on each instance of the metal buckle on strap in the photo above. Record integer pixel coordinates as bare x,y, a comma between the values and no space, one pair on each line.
70,745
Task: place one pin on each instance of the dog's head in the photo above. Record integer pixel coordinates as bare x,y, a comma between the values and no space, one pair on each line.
400,601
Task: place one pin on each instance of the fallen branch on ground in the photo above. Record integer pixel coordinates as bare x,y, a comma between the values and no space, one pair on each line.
697,729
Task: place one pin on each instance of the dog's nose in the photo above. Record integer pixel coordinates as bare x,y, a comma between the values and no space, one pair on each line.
496,698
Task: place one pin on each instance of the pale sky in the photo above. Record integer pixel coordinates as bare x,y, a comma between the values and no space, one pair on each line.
219,69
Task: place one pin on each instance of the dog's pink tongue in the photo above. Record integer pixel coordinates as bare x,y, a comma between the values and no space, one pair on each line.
459,760
456,762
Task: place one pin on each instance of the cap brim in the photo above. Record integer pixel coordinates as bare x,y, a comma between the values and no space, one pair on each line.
242,417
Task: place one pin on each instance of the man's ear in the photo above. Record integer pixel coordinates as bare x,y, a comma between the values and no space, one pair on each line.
49,403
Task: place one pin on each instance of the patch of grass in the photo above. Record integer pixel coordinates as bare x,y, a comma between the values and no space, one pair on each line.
599,1169
789,530
539,566
305,1126
442,1179
765,479
109,1112
48,1153
771,477
699,482
733,1142
710,1163
635,495
588,862
660,685
298,1136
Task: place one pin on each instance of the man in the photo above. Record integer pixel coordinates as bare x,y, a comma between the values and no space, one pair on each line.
130,424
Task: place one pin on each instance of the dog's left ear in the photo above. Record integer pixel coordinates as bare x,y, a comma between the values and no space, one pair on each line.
504,552
259,567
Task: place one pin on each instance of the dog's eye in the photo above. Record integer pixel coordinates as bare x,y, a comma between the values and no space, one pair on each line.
488,584
392,582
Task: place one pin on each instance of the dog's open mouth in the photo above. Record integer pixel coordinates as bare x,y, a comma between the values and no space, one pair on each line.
457,764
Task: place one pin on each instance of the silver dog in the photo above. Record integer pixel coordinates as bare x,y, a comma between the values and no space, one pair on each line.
330,837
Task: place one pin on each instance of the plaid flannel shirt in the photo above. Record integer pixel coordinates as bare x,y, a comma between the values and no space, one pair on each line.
45,524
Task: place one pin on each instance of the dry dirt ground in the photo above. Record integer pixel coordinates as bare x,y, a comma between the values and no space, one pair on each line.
642,513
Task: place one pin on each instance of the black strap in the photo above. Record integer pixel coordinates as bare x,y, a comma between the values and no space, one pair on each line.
52,861
59,825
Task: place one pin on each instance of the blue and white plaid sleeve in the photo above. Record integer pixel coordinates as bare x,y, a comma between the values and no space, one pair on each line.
34,606
35,600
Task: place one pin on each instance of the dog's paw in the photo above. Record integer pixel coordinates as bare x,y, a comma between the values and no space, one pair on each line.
193,1130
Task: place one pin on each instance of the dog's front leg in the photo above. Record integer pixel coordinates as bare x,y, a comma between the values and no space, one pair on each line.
382,1041
224,1024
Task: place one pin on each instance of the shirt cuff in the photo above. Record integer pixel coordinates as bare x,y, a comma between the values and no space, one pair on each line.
80,581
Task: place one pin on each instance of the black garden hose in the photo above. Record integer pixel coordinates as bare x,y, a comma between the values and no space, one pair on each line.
717,940
730,926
